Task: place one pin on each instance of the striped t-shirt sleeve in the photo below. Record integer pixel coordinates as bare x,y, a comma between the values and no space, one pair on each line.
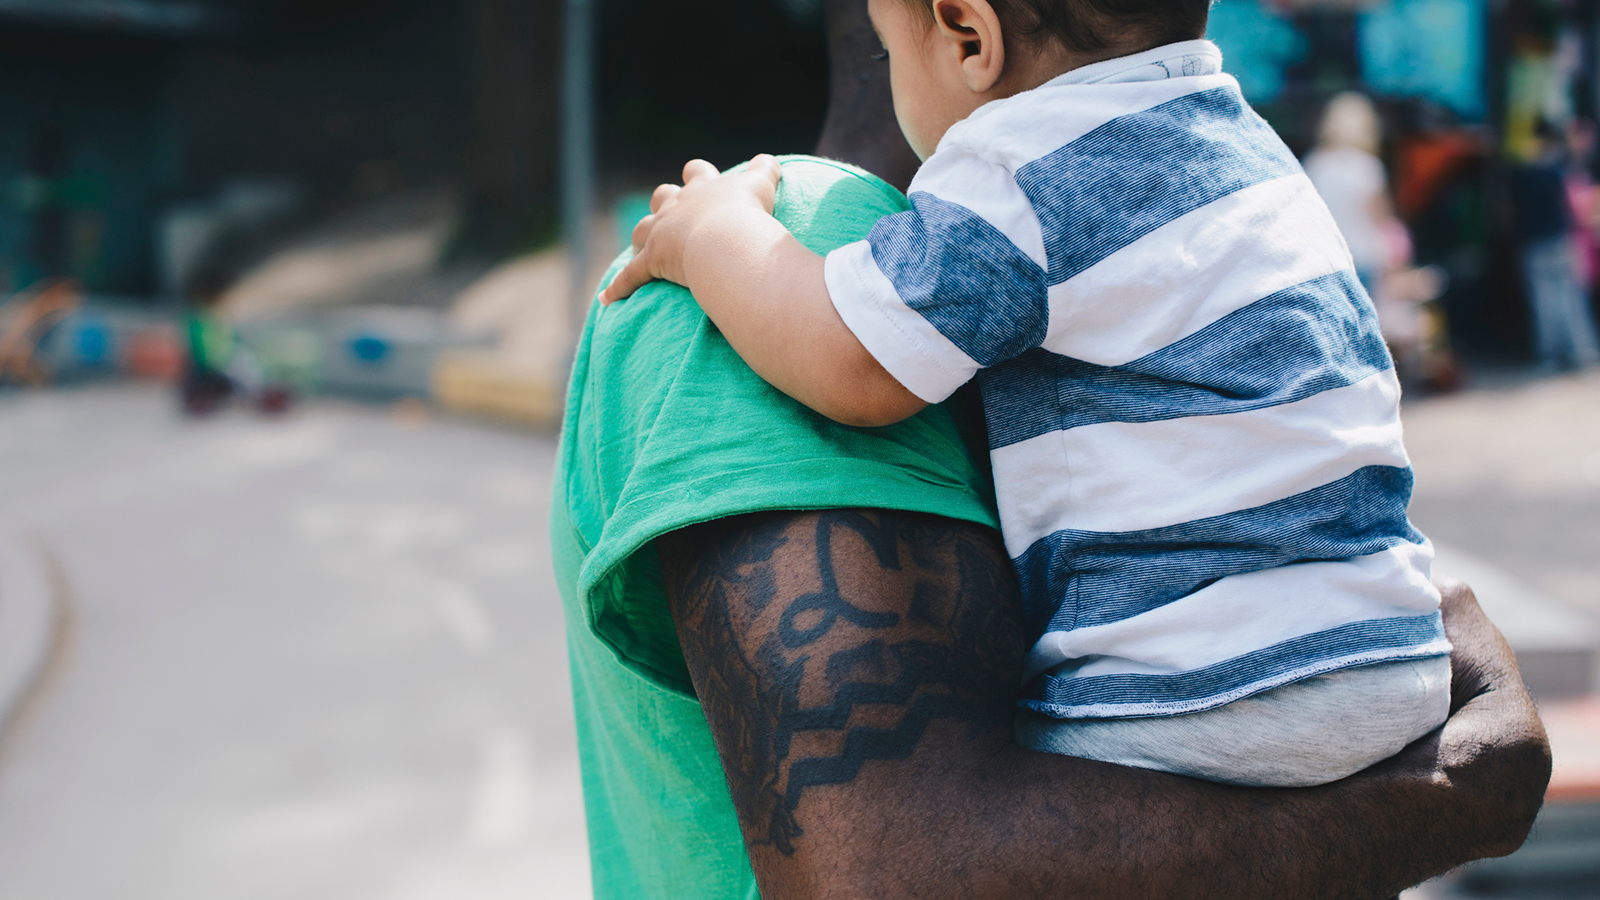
950,286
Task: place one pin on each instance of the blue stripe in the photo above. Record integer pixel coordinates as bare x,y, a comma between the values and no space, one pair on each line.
1128,177
965,277
1315,336
1075,579
1055,695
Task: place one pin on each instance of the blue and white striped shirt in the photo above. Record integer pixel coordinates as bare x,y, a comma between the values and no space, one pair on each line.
1192,416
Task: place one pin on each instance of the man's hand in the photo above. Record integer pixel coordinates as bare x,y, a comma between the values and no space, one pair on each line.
1493,749
858,669
661,240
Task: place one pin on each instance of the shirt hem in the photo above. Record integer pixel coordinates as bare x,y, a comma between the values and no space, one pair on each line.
1439,647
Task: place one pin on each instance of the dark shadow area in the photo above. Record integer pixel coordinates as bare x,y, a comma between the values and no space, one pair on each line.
116,116
722,80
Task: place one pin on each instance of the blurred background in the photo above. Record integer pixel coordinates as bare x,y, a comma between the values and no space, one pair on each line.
288,290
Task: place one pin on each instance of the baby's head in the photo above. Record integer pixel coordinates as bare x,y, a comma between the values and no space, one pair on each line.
948,57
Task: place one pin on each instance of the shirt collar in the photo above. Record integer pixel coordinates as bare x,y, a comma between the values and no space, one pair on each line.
1156,64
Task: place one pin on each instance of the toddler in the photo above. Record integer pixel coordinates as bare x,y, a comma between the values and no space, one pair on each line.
1192,417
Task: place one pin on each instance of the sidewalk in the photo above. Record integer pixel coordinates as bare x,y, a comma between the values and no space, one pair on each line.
1512,475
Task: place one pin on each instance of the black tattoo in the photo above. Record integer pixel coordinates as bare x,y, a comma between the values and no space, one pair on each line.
827,603
813,658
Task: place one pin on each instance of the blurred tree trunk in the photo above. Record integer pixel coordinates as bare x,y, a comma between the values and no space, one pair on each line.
512,162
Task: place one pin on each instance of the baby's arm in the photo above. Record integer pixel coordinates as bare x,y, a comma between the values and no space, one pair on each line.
763,289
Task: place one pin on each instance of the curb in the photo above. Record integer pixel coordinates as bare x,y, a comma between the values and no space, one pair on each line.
32,622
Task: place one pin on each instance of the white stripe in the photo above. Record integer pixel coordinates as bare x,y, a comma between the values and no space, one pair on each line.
1129,476
988,190
1194,270
1244,613
1018,130
898,337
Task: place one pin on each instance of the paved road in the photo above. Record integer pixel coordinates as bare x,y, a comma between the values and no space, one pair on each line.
1512,475
317,657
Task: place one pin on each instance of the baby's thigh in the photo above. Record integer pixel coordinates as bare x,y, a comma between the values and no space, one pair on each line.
1310,732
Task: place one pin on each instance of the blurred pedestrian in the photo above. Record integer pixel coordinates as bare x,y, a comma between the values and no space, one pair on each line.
204,386
1582,203
1564,331
1345,169
219,367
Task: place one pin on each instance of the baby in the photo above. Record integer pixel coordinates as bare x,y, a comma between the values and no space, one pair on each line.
1192,417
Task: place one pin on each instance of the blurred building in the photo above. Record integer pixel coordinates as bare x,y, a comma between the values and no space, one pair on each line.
1461,84
136,134
134,131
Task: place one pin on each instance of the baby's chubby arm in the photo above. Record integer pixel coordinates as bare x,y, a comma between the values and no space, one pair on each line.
716,236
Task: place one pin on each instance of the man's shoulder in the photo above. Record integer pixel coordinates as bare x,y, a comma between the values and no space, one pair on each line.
826,204
667,427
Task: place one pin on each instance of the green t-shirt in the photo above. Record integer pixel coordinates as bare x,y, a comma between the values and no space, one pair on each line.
666,427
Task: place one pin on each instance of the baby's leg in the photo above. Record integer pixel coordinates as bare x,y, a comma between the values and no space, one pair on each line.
1306,733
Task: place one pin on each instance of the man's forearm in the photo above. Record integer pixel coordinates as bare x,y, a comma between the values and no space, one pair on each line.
858,670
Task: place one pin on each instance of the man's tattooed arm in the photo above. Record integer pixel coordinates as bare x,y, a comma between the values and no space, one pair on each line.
858,670
843,671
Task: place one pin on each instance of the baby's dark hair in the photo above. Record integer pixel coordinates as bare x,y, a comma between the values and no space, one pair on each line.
1091,26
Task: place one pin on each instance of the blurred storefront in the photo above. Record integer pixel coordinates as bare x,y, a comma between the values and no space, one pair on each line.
135,132
1463,88
85,156
344,152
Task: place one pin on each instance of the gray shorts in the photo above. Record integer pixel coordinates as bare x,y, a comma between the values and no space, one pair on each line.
1306,733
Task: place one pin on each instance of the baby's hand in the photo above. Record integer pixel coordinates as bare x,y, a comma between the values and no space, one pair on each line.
661,238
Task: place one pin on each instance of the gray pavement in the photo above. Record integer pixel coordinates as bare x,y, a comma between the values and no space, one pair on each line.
1512,475
33,620
315,657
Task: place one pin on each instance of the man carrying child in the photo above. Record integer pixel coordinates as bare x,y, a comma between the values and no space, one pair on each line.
857,667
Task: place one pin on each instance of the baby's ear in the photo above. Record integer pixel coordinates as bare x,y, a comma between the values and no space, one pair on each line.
971,30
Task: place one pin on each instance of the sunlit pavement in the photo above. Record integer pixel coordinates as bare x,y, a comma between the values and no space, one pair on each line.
313,657
1512,475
